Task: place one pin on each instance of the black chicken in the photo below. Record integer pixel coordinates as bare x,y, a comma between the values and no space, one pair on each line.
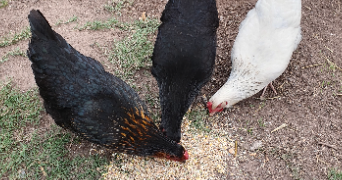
183,57
82,97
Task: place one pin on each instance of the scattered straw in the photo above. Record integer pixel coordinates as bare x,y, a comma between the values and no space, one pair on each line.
328,145
143,16
280,127
43,171
271,98
236,148
207,153
311,66
331,63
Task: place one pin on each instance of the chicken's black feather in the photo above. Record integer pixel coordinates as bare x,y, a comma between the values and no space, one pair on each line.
82,97
183,57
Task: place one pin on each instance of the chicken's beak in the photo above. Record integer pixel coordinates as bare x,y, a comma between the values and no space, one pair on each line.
212,113
217,109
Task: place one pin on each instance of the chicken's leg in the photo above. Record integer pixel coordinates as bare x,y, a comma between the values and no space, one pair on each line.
272,87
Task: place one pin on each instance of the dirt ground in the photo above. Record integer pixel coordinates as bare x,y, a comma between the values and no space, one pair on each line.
309,99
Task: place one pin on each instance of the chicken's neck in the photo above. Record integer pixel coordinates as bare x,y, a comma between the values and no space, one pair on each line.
237,88
175,100
174,105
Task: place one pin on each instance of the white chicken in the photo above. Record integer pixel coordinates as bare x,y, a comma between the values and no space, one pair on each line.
261,52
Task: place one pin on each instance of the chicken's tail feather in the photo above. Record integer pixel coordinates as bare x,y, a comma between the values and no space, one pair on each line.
40,26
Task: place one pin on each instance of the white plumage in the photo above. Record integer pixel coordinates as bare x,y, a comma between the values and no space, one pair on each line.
261,52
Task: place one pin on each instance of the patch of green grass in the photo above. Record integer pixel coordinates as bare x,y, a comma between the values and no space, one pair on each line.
24,34
28,154
15,52
261,122
3,3
262,105
332,67
115,6
250,131
135,50
72,19
323,84
335,175
150,100
18,108
132,52
196,117
98,25
294,170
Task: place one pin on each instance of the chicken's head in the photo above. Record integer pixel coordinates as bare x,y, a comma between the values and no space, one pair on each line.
179,159
180,155
218,108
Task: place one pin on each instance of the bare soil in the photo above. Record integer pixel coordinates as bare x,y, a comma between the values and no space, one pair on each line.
309,99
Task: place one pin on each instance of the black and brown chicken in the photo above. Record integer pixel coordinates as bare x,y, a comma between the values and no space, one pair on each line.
82,97
183,57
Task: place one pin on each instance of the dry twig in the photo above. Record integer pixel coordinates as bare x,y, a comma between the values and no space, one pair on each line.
331,63
236,148
311,66
275,97
328,145
280,127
